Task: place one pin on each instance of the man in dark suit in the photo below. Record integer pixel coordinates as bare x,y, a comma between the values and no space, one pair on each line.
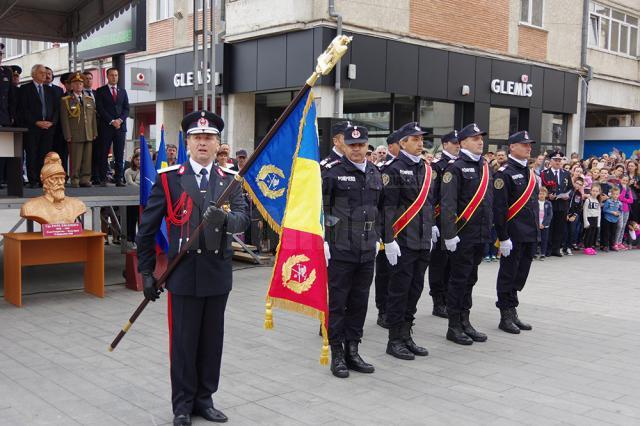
558,184
113,109
39,110
184,194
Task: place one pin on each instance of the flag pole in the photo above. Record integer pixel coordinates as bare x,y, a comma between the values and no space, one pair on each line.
325,63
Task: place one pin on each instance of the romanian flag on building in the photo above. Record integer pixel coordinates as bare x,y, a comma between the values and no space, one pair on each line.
299,280
268,178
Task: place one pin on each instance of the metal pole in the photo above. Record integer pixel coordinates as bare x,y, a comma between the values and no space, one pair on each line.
212,61
205,57
195,55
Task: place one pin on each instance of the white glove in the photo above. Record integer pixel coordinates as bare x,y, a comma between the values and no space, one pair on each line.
586,225
505,247
435,233
452,244
378,244
392,251
327,253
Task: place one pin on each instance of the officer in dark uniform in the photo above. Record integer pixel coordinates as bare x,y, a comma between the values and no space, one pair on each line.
439,268
382,264
201,282
351,190
17,71
7,93
516,217
466,202
408,221
558,182
337,137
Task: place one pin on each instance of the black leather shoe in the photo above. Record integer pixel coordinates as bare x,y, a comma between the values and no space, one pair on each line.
455,333
212,415
410,344
354,361
338,364
396,346
521,325
468,329
439,307
121,184
381,321
182,420
506,322
556,253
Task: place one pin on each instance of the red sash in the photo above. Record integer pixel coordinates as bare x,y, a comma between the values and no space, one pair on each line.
415,207
471,208
515,208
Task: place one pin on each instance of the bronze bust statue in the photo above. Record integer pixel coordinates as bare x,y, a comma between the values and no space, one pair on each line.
53,206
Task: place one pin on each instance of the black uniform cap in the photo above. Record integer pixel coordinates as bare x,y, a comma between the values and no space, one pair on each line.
451,137
202,122
339,128
470,131
356,134
520,137
409,129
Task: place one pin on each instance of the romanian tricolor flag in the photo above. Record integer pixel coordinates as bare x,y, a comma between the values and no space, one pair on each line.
299,280
161,157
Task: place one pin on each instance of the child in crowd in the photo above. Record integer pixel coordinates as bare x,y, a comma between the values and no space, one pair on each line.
545,215
591,216
605,186
588,181
574,222
627,200
633,229
612,212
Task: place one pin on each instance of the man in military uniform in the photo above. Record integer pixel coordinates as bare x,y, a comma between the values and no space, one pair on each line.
466,202
200,284
558,182
17,71
516,217
439,269
408,221
7,93
80,129
382,264
351,189
337,137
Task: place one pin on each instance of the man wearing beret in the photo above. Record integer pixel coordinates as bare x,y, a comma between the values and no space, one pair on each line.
351,190
516,218
466,201
440,268
407,236
337,137
185,194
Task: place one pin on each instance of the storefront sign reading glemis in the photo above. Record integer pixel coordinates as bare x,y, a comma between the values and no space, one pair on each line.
513,88
186,78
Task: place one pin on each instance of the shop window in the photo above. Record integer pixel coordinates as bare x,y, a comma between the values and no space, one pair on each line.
371,109
404,108
554,130
269,106
502,123
437,118
531,12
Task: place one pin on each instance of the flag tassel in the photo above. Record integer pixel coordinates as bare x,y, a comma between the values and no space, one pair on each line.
268,316
324,353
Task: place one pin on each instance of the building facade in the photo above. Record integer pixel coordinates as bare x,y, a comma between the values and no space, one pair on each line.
505,64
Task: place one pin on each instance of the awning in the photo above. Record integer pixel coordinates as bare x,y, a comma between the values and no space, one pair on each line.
57,20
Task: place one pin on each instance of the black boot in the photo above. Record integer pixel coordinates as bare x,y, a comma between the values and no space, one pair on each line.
439,307
521,325
354,361
468,329
409,343
382,320
396,346
338,364
506,321
455,333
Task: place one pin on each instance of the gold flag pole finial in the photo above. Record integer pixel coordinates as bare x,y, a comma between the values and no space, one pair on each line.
336,50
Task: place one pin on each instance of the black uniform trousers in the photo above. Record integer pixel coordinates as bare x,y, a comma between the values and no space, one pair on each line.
196,332
513,273
557,230
464,275
382,281
406,283
349,285
38,143
439,271
110,135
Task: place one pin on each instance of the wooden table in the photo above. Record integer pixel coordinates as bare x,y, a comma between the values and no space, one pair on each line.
31,248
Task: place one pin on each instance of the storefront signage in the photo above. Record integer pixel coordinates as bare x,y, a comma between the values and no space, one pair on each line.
513,88
185,79
61,229
141,79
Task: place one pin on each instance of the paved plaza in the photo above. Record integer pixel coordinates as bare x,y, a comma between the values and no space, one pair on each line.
578,366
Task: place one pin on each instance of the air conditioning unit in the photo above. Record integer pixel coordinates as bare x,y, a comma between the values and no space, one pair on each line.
619,120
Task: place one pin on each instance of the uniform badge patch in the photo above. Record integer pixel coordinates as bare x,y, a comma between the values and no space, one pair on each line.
447,177
385,179
434,175
498,183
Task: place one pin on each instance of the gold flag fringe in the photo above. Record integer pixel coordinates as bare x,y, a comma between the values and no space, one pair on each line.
268,316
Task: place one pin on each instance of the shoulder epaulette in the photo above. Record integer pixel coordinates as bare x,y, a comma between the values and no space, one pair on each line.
331,164
227,170
169,168
502,169
66,97
324,162
451,161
